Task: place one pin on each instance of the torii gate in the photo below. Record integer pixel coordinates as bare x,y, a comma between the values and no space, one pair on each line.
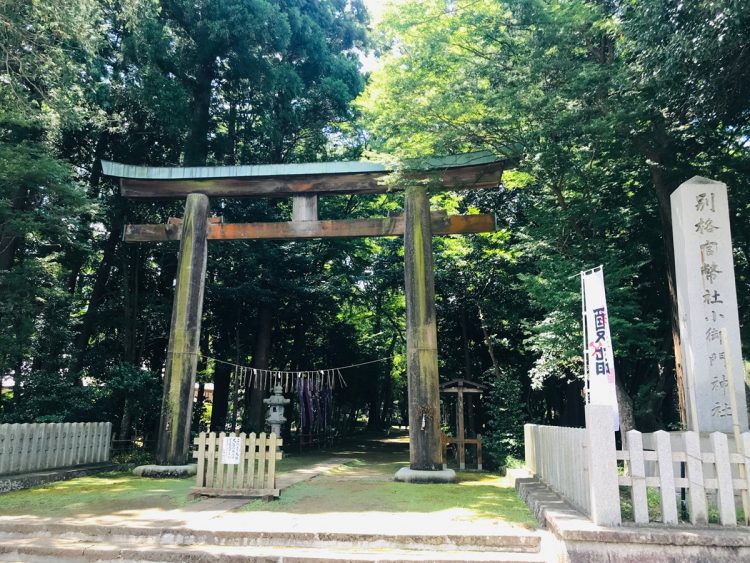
304,183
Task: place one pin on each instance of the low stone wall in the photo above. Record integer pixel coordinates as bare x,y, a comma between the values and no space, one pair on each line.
578,540
9,483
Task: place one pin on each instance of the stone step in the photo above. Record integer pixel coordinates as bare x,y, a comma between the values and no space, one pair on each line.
65,550
518,540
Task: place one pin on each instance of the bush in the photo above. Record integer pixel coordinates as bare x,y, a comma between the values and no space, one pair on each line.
503,439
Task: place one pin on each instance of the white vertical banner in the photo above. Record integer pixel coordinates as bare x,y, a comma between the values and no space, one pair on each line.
598,359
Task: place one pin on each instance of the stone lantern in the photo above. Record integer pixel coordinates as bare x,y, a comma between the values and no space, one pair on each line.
275,417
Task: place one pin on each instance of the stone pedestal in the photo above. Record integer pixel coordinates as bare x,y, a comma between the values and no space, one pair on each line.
408,475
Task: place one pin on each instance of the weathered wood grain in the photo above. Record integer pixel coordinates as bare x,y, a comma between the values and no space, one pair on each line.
421,334
184,334
214,478
344,228
477,176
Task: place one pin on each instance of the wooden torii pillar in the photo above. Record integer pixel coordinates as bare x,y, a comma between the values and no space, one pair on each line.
304,183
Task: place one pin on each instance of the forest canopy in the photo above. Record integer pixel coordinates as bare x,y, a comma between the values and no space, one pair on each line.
606,106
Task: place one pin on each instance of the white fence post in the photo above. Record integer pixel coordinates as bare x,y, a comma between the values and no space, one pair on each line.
667,490
696,489
603,483
528,447
637,477
724,483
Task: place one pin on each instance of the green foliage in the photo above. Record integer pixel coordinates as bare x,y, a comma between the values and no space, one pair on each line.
503,439
52,397
604,106
607,107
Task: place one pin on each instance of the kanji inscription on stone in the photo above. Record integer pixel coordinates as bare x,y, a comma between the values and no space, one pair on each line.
707,299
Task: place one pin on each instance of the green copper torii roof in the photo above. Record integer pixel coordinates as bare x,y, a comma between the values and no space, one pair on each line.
463,171
119,170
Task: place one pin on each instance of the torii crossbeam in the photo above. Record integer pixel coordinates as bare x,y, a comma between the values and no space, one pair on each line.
305,183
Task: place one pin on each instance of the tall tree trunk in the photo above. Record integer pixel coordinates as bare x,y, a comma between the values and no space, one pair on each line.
97,296
79,258
231,157
374,421
131,270
387,410
488,344
254,408
125,421
219,408
196,148
625,408
465,343
10,242
471,419
199,404
236,378
664,186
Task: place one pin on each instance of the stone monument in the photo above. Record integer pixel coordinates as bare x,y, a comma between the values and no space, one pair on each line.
707,301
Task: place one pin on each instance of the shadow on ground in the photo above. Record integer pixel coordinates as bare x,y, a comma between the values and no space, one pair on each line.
363,485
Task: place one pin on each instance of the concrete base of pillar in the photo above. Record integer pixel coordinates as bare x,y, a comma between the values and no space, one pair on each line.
166,471
407,475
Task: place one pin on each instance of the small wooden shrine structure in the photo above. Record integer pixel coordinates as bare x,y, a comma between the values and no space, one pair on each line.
304,183
459,387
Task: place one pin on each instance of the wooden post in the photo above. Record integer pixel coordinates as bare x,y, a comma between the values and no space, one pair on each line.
460,431
305,207
184,335
421,334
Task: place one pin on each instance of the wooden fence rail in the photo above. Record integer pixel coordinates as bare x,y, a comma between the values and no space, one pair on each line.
712,474
582,465
247,471
557,455
25,448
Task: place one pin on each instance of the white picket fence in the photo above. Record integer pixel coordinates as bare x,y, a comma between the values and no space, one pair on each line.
25,448
581,464
556,453
713,474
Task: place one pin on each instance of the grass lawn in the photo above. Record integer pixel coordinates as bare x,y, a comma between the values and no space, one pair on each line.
365,484
104,493
111,492
478,495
